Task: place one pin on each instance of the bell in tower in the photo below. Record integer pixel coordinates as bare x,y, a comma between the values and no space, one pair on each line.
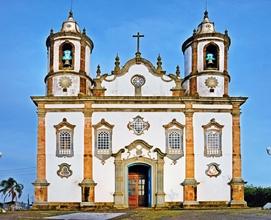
69,58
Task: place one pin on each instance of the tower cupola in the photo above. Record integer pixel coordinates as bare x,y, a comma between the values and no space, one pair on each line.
70,25
206,26
206,61
69,54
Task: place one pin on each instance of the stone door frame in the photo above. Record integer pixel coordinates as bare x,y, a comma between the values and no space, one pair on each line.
121,178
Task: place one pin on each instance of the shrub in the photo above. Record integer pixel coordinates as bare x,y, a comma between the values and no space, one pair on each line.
257,196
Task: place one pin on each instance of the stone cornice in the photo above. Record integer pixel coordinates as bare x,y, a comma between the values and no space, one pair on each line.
138,100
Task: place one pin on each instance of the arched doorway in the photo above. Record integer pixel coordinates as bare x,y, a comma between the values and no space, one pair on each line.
139,185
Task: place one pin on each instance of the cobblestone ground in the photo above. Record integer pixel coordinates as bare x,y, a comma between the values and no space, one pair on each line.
148,214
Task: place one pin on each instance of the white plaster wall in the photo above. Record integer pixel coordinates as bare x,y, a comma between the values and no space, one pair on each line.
213,188
200,54
64,189
87,60
154,85
174,175
73,90
188,61
103,175
186,85
203,90
76,56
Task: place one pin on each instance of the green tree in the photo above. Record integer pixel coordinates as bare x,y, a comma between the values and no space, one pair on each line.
10,188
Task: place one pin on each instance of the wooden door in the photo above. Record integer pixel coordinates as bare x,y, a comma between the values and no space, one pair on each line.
137,190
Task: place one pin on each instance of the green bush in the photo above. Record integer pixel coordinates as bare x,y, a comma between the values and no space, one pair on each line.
257,196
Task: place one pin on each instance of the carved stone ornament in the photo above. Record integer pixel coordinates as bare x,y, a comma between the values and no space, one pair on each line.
65,82
211,82
213,170
64,170
138,125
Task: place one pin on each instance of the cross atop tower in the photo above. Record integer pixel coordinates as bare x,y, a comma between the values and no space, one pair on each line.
138,36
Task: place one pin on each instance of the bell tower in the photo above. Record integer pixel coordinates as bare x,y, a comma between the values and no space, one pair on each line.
68,60
206,61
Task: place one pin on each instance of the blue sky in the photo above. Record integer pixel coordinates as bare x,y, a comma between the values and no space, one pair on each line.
166,24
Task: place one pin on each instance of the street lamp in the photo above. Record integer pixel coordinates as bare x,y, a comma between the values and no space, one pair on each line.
268,150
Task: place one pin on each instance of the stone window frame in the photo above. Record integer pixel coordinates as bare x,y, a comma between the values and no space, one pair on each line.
103,126
217,54
64,126
60,61
173,153
212,126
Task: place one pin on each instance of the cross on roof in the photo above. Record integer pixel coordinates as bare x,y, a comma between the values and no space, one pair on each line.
138,36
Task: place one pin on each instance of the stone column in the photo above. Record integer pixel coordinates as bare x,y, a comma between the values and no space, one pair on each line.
41,183
88,184
236,183
189,183
160,195
193,79
119,180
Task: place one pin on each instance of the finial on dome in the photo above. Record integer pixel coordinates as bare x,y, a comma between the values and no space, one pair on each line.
206,14
178,72
70,14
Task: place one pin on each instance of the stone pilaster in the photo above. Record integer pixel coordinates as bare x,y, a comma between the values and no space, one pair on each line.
119,184
41,183
160,195
236,183
189,184
193,79
88,185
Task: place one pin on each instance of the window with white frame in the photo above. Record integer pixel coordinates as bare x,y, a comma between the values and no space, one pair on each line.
213,139
174,140
103,140
64,139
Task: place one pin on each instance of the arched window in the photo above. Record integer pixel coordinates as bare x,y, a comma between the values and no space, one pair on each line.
66,56
103,140
213,139
174,140
64,139
211,56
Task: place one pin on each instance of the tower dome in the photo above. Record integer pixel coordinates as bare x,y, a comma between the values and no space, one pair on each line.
206,26
70,25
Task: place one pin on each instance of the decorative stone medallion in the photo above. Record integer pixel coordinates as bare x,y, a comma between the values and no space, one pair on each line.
211,83
64,170
213,170
138,81
65,82
138,125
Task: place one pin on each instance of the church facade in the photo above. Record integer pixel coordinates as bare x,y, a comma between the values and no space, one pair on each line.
138,136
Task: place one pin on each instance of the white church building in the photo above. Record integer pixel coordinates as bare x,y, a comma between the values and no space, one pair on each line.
138,136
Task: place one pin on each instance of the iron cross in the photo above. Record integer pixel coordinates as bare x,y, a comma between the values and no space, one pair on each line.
138,36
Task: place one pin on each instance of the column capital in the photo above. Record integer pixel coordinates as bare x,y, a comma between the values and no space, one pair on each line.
236,111
41,110
88,109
